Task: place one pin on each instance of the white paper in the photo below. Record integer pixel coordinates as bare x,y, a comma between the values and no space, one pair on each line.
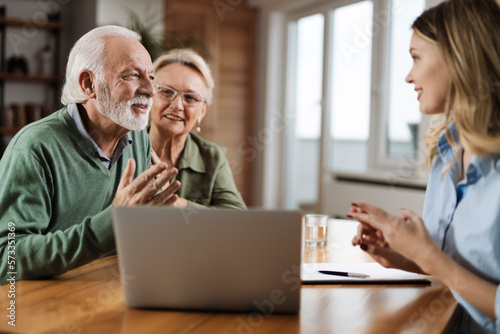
309,274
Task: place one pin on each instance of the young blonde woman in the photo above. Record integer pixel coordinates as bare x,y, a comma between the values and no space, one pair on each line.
456,73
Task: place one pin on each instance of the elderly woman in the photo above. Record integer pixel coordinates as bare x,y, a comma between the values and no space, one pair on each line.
184,86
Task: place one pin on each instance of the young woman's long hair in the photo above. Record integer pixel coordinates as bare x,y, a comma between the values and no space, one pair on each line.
468,35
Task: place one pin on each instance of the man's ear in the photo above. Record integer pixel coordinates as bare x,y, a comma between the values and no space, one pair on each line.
86,82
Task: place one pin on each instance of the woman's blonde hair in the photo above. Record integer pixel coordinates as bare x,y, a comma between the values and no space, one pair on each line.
468,35
190,59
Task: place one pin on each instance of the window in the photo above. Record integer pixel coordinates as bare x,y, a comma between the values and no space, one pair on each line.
350,89
305,94
347,62
403,110
308,79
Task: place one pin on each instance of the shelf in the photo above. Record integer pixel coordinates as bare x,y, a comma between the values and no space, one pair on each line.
29,78
17,22
9,130
50,83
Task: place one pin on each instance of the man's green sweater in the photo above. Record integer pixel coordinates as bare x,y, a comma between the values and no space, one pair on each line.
55,198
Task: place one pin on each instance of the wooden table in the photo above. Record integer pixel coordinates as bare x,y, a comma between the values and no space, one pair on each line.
90,299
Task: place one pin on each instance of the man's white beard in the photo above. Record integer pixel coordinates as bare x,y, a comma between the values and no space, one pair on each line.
121,112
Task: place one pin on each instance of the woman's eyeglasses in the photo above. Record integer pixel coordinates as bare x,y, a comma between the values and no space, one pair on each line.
169,94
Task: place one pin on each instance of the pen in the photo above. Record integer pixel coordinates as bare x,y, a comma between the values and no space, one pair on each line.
343,273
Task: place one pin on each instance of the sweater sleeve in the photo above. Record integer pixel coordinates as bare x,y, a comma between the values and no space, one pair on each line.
225,194
26,207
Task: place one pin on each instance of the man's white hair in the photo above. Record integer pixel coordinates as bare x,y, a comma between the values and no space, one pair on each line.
88,54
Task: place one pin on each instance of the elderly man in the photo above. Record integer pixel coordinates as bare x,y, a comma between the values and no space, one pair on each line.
61,176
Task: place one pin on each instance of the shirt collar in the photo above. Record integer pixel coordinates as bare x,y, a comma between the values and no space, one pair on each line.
125,141
486,164
478,165
444,148
191,156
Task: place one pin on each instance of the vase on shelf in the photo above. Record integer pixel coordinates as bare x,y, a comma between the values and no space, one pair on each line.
46,61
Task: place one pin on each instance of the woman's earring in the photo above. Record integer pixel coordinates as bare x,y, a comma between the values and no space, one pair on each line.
198,127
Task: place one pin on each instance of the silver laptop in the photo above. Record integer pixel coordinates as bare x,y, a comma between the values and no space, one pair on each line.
209,260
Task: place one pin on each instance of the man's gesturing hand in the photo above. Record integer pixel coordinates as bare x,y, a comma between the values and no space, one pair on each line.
145,189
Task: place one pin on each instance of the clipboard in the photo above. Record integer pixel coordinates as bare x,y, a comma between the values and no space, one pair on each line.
309,274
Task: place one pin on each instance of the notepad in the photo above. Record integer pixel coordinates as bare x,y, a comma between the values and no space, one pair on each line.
378,274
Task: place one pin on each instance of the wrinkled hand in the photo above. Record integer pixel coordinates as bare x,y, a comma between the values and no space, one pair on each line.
145,189
177,202
393,240
157,161
174,201
155,158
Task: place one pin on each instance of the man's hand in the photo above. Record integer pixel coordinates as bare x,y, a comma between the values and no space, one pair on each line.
174,201
145,189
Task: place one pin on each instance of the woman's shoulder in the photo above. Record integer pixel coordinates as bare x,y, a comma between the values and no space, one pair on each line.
207,147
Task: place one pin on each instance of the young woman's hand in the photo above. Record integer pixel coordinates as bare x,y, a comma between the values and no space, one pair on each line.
393,240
